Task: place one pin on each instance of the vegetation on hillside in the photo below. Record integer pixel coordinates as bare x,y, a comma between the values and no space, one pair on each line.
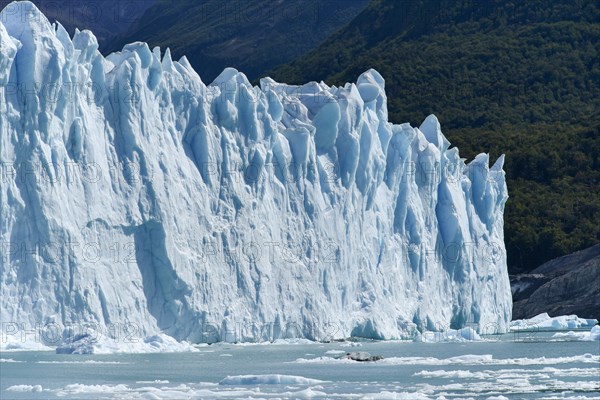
252,36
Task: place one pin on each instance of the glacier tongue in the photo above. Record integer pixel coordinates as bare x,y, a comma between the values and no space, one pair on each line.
132,193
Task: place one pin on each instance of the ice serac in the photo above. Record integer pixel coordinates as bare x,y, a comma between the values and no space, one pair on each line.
134,193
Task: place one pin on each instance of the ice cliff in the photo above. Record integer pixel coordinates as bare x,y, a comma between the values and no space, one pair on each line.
134,193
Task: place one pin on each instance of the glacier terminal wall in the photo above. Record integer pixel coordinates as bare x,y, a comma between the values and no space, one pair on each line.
132,192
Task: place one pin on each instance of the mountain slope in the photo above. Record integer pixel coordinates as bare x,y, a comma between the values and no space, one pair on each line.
563,286
515,77
106,18
253,36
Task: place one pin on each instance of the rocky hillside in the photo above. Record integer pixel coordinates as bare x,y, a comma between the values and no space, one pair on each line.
563,286
106,18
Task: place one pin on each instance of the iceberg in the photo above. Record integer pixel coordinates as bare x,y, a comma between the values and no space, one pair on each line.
467,359
137,198
545,322
592,335
449,336
24,388
16,343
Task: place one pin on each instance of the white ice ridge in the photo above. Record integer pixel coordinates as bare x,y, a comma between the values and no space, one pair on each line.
134,193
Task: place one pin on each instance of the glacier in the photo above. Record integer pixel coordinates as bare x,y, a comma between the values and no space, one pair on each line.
543,322
136,196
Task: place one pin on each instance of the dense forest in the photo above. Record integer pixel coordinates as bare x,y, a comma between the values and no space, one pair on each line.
520,78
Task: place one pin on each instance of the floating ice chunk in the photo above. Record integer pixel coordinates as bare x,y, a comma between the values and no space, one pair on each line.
25,388
451,335
351,344
78,388
94,343
362,356
387,395
81,362
545,322
467,359
291,341
273,379
494,375
307,393
595,333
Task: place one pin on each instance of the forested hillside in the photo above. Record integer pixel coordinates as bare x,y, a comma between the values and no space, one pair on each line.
253,36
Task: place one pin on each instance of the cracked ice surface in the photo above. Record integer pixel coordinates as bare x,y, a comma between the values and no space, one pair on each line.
134,192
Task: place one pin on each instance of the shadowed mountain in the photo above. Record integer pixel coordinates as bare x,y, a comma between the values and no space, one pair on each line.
252,36
563,286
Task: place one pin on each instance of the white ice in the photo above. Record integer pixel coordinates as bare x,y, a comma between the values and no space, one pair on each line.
135,193
593,334
451,335
10,344
95,343
467,359
273,379
24,388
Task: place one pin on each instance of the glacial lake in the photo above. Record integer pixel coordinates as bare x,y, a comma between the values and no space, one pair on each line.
513,366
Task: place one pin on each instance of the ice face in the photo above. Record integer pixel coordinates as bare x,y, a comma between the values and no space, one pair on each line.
133,193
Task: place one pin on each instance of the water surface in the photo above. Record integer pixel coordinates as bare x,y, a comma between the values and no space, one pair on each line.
516,366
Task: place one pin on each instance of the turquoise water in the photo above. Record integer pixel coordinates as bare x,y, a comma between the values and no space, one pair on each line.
513,366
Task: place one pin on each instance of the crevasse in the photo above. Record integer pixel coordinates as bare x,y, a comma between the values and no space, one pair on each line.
134,193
